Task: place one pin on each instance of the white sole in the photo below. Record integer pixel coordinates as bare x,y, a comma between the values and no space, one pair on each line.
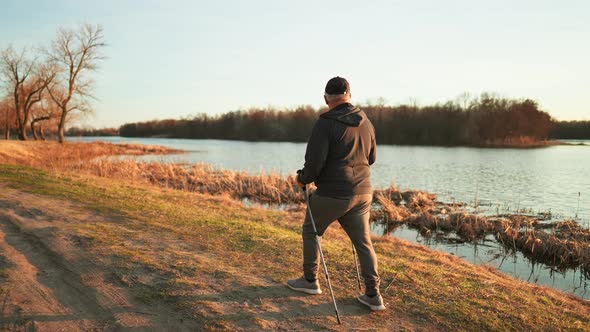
371,306
306,290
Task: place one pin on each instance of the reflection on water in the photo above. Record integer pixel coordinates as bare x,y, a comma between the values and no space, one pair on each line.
553,180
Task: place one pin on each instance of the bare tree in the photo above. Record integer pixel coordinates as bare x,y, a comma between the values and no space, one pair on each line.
7,116
15,70
27,79
75,53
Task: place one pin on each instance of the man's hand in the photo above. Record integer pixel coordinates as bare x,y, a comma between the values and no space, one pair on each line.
301,185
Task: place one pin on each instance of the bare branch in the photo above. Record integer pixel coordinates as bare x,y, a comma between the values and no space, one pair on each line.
75,52
27,79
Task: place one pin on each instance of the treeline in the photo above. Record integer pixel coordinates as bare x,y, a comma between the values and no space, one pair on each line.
487,120
253,125
103,132
571,130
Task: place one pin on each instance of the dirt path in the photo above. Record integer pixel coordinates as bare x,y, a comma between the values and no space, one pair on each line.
49,284
52,282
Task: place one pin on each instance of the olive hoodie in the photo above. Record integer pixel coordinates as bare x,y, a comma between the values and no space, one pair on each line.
339,152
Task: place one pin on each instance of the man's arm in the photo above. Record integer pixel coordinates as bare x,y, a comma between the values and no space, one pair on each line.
373,152
316,153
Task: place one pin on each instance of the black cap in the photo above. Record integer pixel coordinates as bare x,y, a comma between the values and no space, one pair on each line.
337,86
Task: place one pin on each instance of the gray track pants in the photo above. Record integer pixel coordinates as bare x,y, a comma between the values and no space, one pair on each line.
353,215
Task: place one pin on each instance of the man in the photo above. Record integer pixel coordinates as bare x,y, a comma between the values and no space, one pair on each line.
339,152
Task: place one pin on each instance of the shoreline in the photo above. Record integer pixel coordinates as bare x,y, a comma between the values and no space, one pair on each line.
516,145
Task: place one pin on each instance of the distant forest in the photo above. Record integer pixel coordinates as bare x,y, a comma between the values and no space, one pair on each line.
484,121
571,130
102,132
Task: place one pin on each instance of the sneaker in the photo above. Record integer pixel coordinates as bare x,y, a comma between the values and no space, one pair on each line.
302,285
375,302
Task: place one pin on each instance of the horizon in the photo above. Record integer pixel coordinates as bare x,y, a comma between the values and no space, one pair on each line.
189,58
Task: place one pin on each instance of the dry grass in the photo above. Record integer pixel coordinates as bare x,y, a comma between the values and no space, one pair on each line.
52,155
84,158
271,188
389,211
419,200
565,244
263,188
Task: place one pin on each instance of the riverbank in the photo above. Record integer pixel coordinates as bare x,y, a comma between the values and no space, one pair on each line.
560,245
52,154
515,143
176,259
519,144
215,262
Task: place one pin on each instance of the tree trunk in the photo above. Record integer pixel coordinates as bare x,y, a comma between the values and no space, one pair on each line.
7,126
22,133
42,133
40,120
21,125
60,133
34,131
62,124
17,111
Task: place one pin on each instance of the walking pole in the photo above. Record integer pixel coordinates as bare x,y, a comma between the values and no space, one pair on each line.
356,264
317,240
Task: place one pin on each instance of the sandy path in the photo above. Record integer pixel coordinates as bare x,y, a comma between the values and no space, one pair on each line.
53,283
49,284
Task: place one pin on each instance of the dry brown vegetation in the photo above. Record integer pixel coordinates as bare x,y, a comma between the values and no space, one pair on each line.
201,178
564,244
53,156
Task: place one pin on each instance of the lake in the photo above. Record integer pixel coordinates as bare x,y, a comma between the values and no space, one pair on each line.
553,179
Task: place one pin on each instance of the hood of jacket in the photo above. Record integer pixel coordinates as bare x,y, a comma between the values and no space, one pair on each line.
347,114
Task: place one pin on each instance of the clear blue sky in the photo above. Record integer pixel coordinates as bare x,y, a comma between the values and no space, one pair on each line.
168,59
